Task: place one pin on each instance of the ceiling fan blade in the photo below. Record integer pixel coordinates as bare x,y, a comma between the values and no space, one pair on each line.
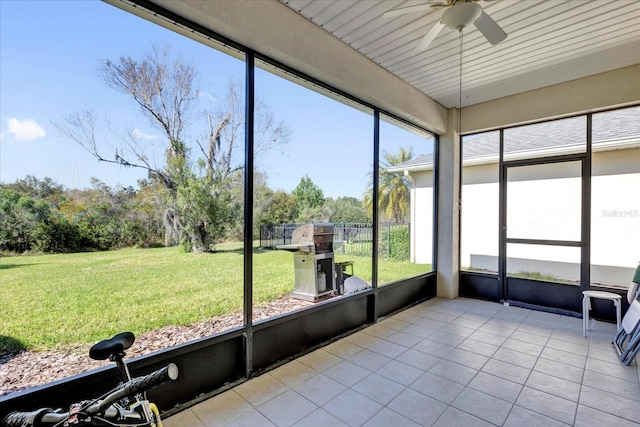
428,38
408,9
489,28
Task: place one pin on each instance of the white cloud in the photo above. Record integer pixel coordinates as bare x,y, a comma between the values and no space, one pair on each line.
141,135
25,130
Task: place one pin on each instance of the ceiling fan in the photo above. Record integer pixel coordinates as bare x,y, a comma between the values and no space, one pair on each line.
458,14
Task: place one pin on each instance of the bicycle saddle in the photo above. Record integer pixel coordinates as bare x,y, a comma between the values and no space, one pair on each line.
113,346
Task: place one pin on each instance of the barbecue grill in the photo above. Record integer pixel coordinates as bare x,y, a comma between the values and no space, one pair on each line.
313,260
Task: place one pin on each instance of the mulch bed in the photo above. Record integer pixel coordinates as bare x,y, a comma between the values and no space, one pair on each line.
28,369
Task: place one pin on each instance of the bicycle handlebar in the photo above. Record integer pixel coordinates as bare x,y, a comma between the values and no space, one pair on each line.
46,416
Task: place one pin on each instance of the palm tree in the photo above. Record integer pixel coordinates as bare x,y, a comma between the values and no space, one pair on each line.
393,189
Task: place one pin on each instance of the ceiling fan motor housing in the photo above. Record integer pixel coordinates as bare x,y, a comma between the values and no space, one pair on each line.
461,15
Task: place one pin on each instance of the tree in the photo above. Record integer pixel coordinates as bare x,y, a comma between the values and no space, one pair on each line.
347,209
167,94
27,224
279,207
393,188
46,188
309,199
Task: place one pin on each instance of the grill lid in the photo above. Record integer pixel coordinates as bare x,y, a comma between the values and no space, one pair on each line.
314,237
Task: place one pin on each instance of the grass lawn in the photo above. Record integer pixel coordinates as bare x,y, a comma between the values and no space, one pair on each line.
54,301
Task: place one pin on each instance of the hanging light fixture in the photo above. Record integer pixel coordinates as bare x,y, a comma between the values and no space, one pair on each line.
462,14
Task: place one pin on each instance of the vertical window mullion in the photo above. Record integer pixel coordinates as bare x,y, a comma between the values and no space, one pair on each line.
248,211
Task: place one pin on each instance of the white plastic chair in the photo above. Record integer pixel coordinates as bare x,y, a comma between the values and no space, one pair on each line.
586,306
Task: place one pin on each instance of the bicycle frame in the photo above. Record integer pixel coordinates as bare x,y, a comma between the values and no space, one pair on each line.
124,406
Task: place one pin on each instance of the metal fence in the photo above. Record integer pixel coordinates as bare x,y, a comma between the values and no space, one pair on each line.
349,238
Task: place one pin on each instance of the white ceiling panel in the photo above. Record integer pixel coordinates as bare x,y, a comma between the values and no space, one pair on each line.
549,42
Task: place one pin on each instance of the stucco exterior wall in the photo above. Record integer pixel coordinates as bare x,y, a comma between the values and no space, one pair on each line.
422,227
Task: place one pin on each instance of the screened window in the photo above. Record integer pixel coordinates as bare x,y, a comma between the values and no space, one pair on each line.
312,189
615,212
480,200
405,201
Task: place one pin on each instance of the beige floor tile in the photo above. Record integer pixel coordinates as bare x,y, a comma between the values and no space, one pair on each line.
287,408
606,354
370,360
513,343
488,338
446,338
522,417
453,371
467,358
320,360
568,346
478,347
547,404
251,418
417,407
342,348
386,417
400,372
319,418
600,381
589,417
554,385
404,339
456,329
467,322
532,332
378,388
496,386
319,389
455,417
183,419
258,390
418,359
497,329
483,406
610,403
559,369
564,357
507,371
221,409
293,373
435,317
437,387
433,348
346,373
387,348
614,369
419,331
516,358
399,321
379,330
352,408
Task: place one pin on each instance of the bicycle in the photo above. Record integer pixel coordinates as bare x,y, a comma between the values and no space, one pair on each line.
125,406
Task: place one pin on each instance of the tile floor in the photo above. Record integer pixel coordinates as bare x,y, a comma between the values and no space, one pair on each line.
457,362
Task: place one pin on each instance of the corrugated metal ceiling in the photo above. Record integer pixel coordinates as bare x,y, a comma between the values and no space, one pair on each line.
549,42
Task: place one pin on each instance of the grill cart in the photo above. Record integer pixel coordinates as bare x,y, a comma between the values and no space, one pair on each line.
313,261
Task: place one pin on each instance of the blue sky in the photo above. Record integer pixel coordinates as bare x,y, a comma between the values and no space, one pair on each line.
49,53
